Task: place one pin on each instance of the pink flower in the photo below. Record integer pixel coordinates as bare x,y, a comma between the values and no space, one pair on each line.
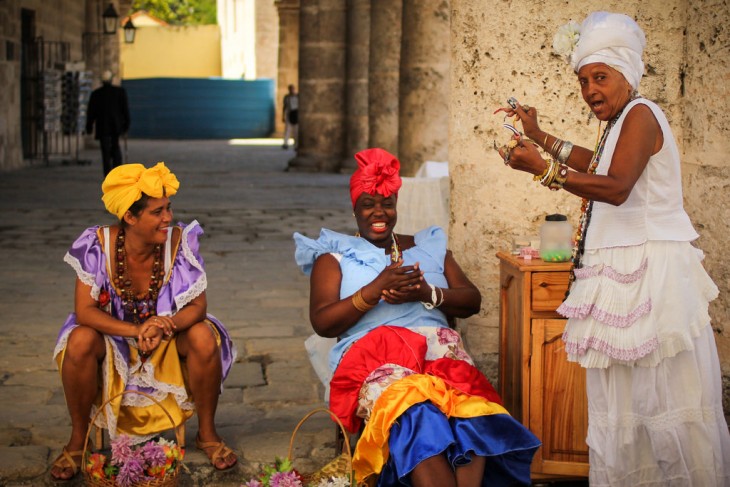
285,479
121,450
130,473
447,335
153,454
253,483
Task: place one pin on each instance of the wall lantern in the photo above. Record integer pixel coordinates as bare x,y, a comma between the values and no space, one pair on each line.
110,17
129,31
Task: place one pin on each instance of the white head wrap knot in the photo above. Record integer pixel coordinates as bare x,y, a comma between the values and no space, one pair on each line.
612,39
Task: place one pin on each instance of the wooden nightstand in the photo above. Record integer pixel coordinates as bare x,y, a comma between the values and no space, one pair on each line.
539,386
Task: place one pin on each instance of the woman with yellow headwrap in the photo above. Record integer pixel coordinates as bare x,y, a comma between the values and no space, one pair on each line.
140,323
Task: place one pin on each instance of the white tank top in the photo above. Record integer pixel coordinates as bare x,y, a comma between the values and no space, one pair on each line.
654,209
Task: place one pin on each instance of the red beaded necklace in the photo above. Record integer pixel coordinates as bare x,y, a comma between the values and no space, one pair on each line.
143,308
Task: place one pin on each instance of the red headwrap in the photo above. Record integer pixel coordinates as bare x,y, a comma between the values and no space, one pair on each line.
377,172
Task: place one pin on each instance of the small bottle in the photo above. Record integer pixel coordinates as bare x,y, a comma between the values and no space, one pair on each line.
556,239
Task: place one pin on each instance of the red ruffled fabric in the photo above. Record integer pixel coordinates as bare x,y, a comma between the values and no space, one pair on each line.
377,172
400,346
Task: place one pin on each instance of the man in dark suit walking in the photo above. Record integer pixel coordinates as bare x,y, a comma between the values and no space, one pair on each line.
108,109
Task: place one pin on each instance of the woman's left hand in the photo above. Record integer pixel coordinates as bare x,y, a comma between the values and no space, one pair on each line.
523,157
408,294
165,323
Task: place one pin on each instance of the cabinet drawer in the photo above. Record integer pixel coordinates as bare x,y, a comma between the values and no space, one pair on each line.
548,290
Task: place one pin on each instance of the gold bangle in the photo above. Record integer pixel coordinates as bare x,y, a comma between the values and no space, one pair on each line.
561,175
544,142
359,302
538,177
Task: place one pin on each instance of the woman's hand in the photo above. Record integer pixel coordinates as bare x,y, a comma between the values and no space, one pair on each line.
165,323
523,157
408,293
149,338
528,117
394,278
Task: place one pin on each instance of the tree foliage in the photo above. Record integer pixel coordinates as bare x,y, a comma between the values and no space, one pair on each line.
179,12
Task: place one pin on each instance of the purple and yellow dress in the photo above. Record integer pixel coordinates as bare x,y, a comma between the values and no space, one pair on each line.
406,374
161,375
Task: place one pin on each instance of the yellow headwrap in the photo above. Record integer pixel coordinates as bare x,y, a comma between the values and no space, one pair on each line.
125,184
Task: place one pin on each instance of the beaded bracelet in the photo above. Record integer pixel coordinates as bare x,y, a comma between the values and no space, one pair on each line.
359,302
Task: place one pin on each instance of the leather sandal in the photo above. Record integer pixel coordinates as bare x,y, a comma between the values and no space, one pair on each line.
220,453
65,461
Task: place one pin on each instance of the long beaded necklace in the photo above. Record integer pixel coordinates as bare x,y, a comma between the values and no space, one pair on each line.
586,207
139,309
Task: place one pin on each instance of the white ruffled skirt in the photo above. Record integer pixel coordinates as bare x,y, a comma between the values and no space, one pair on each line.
639,322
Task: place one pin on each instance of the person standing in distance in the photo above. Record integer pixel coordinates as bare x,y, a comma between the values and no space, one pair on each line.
109,111
290,117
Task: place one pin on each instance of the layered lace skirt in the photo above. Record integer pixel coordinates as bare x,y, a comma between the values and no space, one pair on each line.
639,322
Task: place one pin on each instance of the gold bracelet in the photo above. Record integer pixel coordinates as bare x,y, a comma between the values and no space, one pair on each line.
538,177
561,175
544,142
359,302
547,176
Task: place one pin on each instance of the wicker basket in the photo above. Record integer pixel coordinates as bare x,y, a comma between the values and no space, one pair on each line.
169,480
340,466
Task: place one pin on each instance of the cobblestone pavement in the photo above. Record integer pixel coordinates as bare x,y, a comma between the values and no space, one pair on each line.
248,207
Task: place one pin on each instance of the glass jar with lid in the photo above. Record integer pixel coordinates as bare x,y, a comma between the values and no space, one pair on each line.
556,239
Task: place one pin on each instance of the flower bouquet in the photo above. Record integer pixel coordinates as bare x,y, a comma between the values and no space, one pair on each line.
153,463
337,473
283,474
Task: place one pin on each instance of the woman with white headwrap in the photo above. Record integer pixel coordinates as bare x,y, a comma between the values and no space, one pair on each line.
637,309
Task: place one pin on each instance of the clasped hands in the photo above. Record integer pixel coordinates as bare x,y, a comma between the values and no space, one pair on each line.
400,284
152,332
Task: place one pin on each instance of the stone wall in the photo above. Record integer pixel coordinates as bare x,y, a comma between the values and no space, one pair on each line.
75,22
11,154
504,48
267,39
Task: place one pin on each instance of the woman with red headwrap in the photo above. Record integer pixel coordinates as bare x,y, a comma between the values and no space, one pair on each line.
431,418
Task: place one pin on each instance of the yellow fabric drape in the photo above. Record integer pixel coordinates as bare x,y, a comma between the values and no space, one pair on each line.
371,452
169,372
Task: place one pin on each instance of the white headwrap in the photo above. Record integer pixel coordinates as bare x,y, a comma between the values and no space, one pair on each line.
604,37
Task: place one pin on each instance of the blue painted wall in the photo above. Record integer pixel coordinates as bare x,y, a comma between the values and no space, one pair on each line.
200,108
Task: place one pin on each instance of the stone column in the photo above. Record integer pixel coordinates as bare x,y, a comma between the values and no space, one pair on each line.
385,43
356,96
288,62
424,84
322,28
